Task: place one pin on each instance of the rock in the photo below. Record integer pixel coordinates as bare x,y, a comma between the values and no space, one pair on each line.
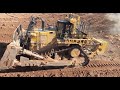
3,24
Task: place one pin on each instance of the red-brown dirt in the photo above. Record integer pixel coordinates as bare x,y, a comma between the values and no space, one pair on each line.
99,28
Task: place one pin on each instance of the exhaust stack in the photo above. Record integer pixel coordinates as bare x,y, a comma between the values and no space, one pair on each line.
43,24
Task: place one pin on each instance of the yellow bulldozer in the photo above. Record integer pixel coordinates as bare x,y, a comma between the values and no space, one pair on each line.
48,46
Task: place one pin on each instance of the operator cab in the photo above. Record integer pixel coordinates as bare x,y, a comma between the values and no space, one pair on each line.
64,29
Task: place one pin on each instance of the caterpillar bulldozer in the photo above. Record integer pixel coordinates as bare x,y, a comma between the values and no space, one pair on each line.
52,46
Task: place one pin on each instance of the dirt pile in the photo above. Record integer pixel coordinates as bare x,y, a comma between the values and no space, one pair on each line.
98,22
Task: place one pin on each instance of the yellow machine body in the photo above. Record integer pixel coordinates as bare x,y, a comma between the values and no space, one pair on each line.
41,39
48,39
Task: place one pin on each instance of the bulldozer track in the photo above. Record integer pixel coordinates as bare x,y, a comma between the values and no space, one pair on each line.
94,66
102,65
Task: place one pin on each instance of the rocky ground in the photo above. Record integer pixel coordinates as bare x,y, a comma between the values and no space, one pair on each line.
100,27
65,73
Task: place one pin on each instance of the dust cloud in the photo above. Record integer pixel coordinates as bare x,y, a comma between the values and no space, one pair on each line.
115,17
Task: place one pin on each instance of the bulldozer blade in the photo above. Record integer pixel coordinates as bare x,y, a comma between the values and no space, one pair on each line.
9,56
